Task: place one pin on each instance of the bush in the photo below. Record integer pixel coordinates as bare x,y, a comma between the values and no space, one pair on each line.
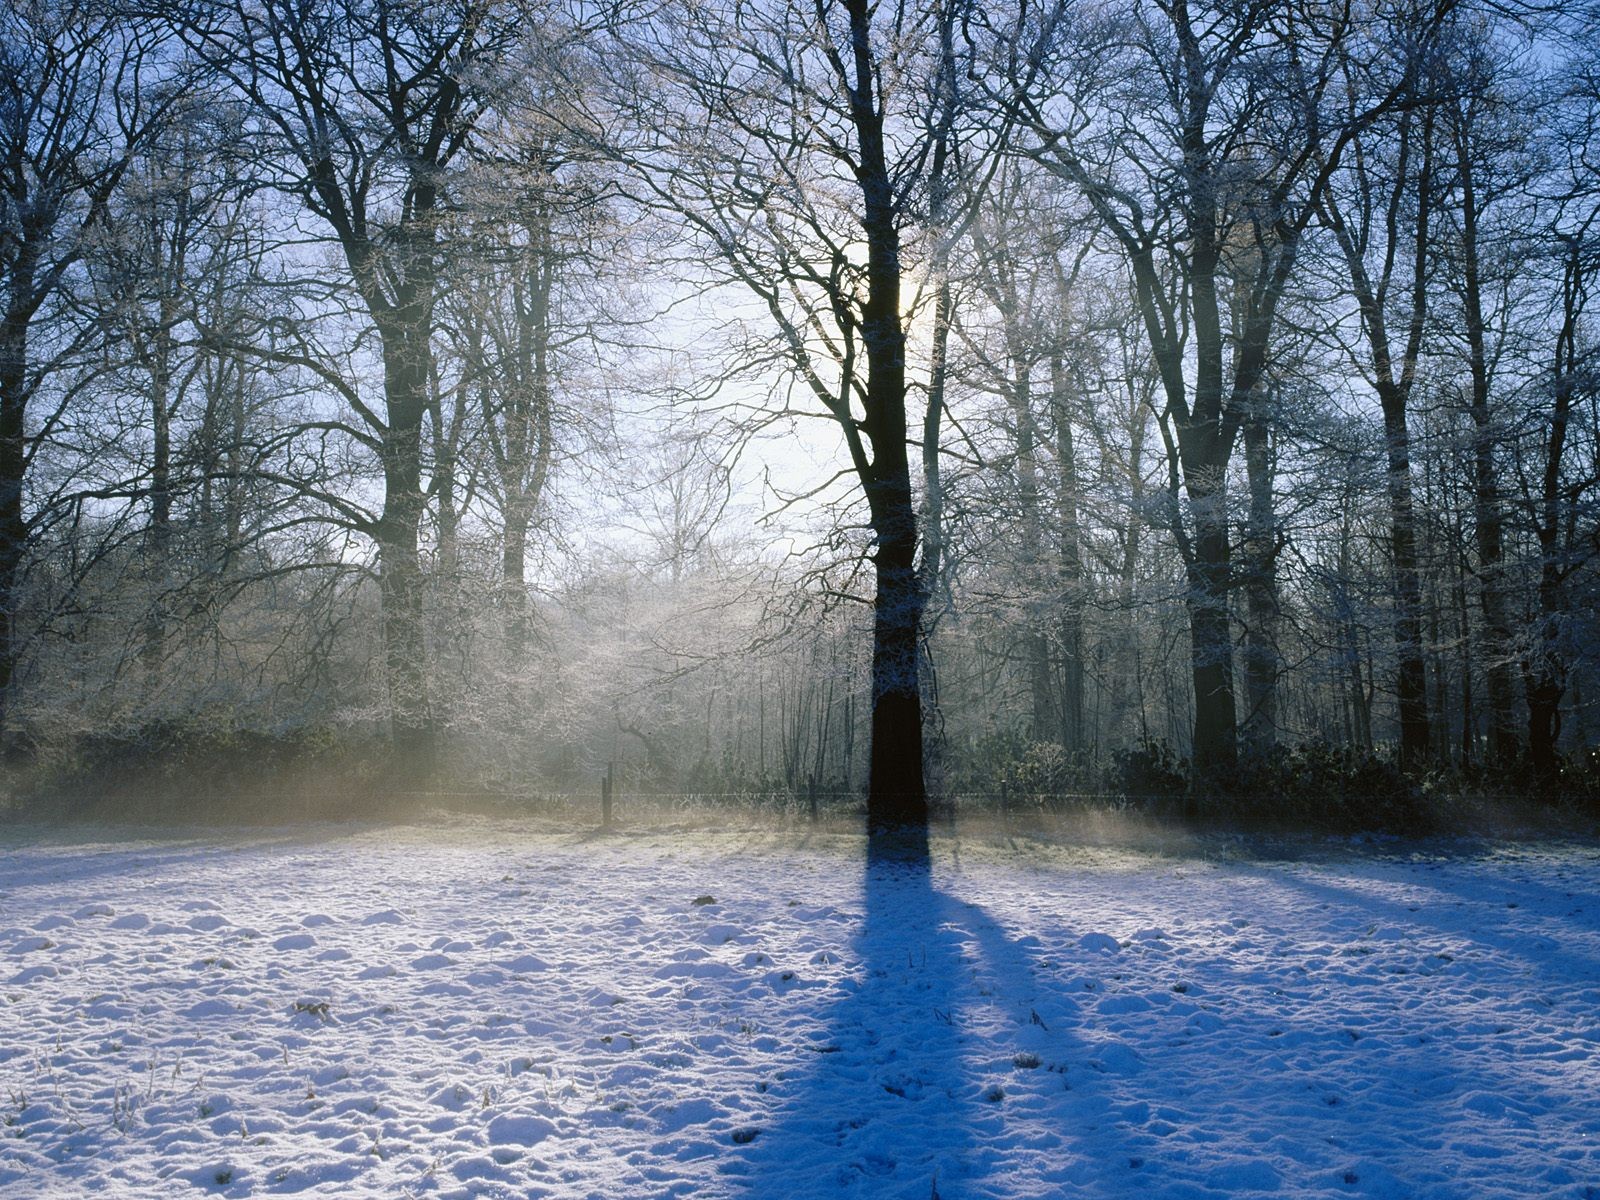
1149,774
1013,766
202,771
1311,787
1318,787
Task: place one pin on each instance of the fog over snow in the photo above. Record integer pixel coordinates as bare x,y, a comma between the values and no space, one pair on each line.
491,1010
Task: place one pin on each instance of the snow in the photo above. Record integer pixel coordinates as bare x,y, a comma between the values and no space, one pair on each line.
485,1009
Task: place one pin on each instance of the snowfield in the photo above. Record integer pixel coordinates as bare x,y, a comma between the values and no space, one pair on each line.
484,1009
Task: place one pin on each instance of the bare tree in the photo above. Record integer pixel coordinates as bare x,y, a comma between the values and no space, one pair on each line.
1380,209
1562,502
535,311
362,106
797,143
1482,122
1202,137
79,100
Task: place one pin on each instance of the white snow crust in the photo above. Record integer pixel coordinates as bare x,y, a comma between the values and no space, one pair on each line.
486,1010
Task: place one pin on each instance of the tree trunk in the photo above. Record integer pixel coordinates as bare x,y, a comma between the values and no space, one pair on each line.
1350,636
1071,597
13,523
158,548
1545,666
1545,686
1495,637
1411,677
1036,642
1262,661
446,501
896,793
933,564
514,581
400,573
1209,568
897,799
1393,381
1495,632
1127,683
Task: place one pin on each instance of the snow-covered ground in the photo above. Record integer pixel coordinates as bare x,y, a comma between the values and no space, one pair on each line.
492,1010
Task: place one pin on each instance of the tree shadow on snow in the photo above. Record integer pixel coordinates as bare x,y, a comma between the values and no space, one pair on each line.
894,1103
1478,913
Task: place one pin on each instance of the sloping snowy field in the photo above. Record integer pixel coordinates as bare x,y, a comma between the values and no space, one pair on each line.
494,1011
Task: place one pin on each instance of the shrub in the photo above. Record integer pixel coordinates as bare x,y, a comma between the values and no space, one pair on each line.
1149,773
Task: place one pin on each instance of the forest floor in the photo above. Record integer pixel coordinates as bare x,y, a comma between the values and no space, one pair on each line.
487,1008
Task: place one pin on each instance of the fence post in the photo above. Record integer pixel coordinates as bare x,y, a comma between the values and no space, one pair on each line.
811,797
605,797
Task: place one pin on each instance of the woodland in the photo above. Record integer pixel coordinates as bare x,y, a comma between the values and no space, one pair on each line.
1181,404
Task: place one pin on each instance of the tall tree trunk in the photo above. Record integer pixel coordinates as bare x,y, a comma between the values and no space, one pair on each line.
13,523
1545,675
1544,666
1350,636
1495,631
1035,639
1199,438
1072,596
896,796
524,448
1469,723
1210,638
1393,381
514,578
400,575
1262,661
1411,676
896,791
158,549
933,560
446,501
1127,689
1434,623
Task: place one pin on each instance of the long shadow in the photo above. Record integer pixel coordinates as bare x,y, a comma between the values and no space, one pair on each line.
1467,922
894,1104
1574,906
1428,1043
883,1109
59,854
61,866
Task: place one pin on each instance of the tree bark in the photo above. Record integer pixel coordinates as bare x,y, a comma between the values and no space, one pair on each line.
158,548
406,360
1544,668
1495,637
896,790
1262,660
1071,586
1411,675
1216,729
514,578
13,471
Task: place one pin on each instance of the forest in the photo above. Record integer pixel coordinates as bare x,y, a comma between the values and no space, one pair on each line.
1186,401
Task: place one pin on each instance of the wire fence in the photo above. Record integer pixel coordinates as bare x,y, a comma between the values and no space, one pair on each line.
611,807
